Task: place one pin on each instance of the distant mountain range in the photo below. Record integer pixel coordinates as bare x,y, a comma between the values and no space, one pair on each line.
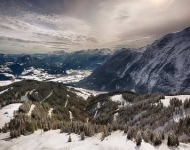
163,67
53,63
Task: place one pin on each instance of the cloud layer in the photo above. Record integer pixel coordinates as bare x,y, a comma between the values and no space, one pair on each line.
46,25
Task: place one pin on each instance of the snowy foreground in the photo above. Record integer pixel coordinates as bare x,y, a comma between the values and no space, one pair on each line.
55,140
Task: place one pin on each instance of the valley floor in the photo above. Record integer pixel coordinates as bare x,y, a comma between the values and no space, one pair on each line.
55,140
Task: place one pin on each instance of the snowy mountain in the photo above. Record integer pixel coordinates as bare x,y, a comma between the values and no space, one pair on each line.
162,67
87,59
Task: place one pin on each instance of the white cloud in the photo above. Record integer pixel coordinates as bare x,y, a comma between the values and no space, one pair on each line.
85,24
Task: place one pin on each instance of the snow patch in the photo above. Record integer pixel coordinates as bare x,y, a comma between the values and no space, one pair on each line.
32,91
115,117
8,82
31,109
32,70
66,103
25,97
47,97
3,91
95,114
119,98
50,112
84,93
71,115
7,113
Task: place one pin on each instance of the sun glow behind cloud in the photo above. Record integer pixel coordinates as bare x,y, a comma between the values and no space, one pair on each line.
160,3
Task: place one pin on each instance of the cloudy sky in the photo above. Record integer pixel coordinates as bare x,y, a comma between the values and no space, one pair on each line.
32,26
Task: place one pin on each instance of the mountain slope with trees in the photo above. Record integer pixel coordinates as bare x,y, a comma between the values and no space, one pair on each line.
47,105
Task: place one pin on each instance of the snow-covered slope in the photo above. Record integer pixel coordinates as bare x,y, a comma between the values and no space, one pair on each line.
163,67
8,82
7,112
119,98
55,140
85,93
184,113
167,99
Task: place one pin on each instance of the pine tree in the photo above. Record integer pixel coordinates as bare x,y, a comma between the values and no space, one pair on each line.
138,138
29,127
103,136
130,134
146,135
169,140
82,135
173,140
45,128
69,140
157,139
163,136
125,129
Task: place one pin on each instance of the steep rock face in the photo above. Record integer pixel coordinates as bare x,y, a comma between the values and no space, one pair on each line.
113,70
163,67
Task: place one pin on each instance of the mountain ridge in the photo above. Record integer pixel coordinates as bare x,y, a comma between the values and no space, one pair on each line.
162,67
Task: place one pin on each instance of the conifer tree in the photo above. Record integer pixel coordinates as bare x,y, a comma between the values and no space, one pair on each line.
82,135
138,138
69,140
